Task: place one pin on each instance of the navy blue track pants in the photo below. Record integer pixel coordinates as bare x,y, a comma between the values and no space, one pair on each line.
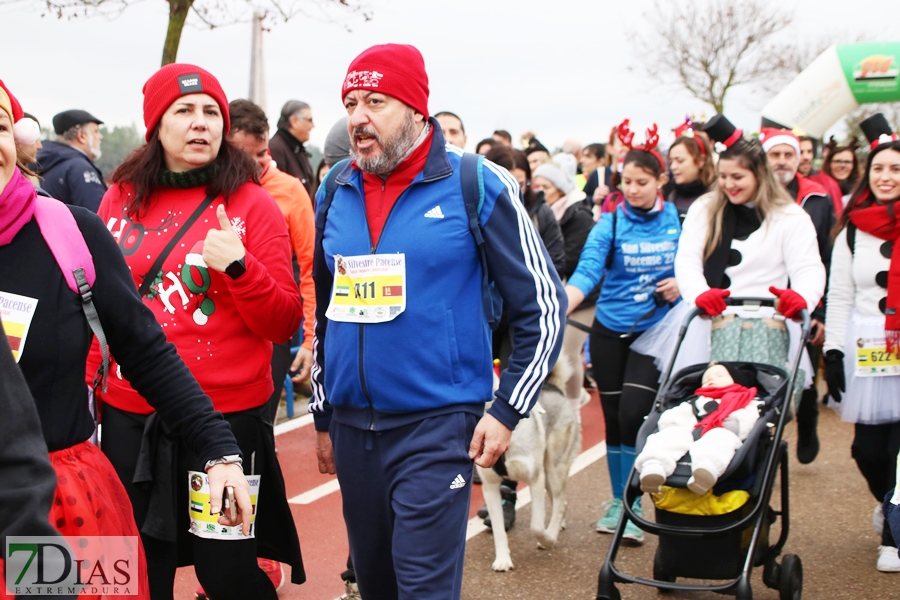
406,504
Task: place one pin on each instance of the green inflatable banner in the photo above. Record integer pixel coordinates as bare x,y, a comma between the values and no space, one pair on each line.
836,82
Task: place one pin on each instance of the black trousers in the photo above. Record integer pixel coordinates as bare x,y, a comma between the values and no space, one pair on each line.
227,569
875,449
627,382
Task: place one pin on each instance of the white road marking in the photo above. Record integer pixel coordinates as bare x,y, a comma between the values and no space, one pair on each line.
316,493
295,423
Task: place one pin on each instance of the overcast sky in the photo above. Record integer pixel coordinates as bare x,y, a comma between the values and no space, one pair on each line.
558,67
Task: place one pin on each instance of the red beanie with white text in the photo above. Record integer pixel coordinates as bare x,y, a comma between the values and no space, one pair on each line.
174,81
397,70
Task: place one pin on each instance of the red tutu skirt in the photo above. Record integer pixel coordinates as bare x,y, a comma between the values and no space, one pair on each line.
91,501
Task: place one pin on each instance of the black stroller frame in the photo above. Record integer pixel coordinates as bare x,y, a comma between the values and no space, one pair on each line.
786,577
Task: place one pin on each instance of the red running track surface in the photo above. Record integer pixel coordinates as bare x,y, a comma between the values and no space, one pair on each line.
323,537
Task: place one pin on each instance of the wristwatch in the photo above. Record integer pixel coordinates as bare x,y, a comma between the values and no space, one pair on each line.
236,268
231,459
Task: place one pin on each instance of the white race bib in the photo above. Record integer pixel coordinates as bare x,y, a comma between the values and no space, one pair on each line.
16,313
872,358
206,525
368,289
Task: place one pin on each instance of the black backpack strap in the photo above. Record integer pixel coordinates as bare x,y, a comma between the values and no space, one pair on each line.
93,319
331,185
612,244
150,277
851,237
471,180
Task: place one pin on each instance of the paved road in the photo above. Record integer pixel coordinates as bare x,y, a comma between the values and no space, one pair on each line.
831,530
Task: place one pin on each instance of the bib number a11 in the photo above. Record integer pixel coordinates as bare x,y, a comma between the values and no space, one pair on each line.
368,289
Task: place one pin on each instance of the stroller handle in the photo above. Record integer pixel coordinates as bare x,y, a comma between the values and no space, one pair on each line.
750,303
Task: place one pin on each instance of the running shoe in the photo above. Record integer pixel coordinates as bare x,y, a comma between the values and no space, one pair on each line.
609,521
632,531
274,570
888,561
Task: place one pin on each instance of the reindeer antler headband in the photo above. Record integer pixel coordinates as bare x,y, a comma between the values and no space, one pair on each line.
686,129
651,139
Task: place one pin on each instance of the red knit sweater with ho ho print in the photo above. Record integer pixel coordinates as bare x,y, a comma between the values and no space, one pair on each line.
223,328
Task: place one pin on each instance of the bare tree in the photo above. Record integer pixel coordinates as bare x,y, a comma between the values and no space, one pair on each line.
712,46
891,112
210,13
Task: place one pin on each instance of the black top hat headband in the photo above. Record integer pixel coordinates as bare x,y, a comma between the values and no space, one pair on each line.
721,130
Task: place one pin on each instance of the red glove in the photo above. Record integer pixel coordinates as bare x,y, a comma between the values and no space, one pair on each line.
789,302
712,301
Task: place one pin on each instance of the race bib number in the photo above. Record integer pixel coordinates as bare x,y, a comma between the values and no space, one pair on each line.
16,313
873,360
206,525
368,289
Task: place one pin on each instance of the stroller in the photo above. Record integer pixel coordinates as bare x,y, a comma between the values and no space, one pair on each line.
727,546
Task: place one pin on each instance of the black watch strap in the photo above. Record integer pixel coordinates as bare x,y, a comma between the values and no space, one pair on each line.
236,268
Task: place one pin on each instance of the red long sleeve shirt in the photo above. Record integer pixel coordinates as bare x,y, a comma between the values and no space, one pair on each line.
223,328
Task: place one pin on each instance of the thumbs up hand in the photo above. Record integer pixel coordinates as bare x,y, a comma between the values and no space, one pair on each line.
222,246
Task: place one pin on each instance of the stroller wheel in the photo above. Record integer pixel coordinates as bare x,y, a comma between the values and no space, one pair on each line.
790,581
660,574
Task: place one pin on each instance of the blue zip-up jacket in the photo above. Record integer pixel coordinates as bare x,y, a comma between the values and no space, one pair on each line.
435,357
69,176
644,255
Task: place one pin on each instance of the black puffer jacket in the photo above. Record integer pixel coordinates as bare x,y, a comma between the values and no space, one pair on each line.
545,222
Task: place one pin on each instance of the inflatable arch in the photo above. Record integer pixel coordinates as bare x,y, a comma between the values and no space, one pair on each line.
836,82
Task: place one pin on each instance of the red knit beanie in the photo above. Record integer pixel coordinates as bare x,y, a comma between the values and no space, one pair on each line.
9,103
176,80
397,70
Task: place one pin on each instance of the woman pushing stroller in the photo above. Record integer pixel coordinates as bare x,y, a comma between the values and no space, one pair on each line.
748,238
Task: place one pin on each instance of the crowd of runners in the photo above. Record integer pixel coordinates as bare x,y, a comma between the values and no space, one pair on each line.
424,294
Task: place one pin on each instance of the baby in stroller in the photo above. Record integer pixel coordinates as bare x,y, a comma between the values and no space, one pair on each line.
711,425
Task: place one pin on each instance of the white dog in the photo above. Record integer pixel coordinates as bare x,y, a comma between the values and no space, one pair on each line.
541,452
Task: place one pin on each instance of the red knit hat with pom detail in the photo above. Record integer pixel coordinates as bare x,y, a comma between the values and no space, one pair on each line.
397,70
173,81
9,103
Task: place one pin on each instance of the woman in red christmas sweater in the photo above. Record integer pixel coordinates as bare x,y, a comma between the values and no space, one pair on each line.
209,251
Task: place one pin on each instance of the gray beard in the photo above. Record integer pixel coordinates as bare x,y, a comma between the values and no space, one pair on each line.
785,177
393,150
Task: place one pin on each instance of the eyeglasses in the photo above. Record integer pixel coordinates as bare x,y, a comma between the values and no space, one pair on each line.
842,163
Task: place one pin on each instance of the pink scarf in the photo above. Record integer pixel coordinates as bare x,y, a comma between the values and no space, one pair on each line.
16,206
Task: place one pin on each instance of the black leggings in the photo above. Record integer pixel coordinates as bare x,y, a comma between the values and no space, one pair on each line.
875,449
227,569
627,382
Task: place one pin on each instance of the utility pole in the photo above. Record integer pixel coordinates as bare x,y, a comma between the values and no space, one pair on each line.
257,71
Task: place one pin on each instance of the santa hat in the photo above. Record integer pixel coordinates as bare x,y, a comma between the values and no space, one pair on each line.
720,129
176,80
397,70
771,137
877,130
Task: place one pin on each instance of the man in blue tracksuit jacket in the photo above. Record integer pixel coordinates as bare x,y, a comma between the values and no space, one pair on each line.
403,351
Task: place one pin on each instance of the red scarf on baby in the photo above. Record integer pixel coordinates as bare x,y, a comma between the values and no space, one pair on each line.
881,221
732,397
